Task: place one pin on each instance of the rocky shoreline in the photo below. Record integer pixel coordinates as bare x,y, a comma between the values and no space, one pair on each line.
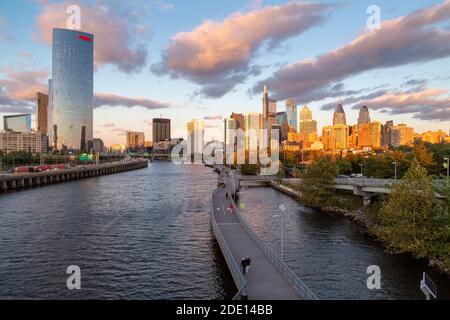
361,219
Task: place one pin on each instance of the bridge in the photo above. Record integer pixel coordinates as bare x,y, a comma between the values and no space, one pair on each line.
363,187
268,278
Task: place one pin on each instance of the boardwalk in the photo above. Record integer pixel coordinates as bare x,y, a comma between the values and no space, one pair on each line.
264,280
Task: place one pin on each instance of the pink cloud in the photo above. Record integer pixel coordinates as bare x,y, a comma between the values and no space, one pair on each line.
116,33
400,41
217,55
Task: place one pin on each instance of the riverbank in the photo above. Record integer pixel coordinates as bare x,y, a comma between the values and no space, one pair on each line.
20,181
361,218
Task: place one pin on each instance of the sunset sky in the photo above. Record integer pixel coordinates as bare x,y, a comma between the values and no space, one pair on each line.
205,59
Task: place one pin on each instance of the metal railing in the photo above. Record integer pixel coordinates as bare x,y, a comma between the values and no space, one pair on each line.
290,276
238,277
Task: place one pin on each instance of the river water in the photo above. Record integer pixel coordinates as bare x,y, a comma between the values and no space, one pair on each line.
146,234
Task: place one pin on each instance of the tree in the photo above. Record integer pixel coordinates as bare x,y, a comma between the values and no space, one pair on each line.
441,247
423,155
344,166
318,182
407,218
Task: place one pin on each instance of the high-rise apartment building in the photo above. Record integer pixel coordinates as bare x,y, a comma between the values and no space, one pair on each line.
34,142
160,129
135,140
386,133
71,98
42,112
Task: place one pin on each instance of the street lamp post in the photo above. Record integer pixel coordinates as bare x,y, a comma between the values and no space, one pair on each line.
361,165
448,168
395,169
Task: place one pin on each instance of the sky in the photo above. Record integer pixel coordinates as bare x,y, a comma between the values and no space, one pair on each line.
206,59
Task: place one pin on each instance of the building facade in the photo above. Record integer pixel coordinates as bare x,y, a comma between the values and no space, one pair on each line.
135,140
17,123
161,129
291,111
42,112
363,115
34,142
71,99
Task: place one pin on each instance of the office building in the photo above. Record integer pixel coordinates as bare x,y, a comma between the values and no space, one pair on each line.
161,129
240,120
98,146
17,123
34,142
402,136
135,140
291,111
307,125
42,112
196,138
386,133
230,126
253,122
71,99
339,115
269,110
363,115
282,125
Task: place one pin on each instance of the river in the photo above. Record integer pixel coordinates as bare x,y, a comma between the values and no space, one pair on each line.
146,234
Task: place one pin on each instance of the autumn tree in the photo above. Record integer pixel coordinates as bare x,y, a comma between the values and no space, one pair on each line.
407,220
318,182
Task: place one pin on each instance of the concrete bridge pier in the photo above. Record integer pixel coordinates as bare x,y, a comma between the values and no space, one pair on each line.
4,186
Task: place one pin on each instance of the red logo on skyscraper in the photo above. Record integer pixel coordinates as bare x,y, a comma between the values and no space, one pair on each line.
85,38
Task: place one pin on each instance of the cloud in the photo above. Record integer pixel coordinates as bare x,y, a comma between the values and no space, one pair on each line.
217,55
112,100
409,39
423,104
165,6
119,39
23,84
214,117
18,92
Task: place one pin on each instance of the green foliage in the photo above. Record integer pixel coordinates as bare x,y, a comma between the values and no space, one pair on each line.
318,182
344,166
407,220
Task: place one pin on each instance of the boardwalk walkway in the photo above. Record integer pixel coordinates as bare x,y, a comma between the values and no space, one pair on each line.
264,280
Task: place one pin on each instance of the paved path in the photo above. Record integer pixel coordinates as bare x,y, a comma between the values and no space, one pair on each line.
264,281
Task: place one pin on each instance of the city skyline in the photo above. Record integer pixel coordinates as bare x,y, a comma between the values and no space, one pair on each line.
126,82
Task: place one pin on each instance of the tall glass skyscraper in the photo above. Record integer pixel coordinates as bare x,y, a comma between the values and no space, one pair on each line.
291,110
71,96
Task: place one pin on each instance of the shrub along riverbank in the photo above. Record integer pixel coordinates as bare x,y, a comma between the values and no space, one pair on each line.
411,219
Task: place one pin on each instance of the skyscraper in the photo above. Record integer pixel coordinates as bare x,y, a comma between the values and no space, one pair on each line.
339,115
240,120
71,99
363,115
283,124
196,138
269,110
230,126
42,112
291,111
307,124
161,129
